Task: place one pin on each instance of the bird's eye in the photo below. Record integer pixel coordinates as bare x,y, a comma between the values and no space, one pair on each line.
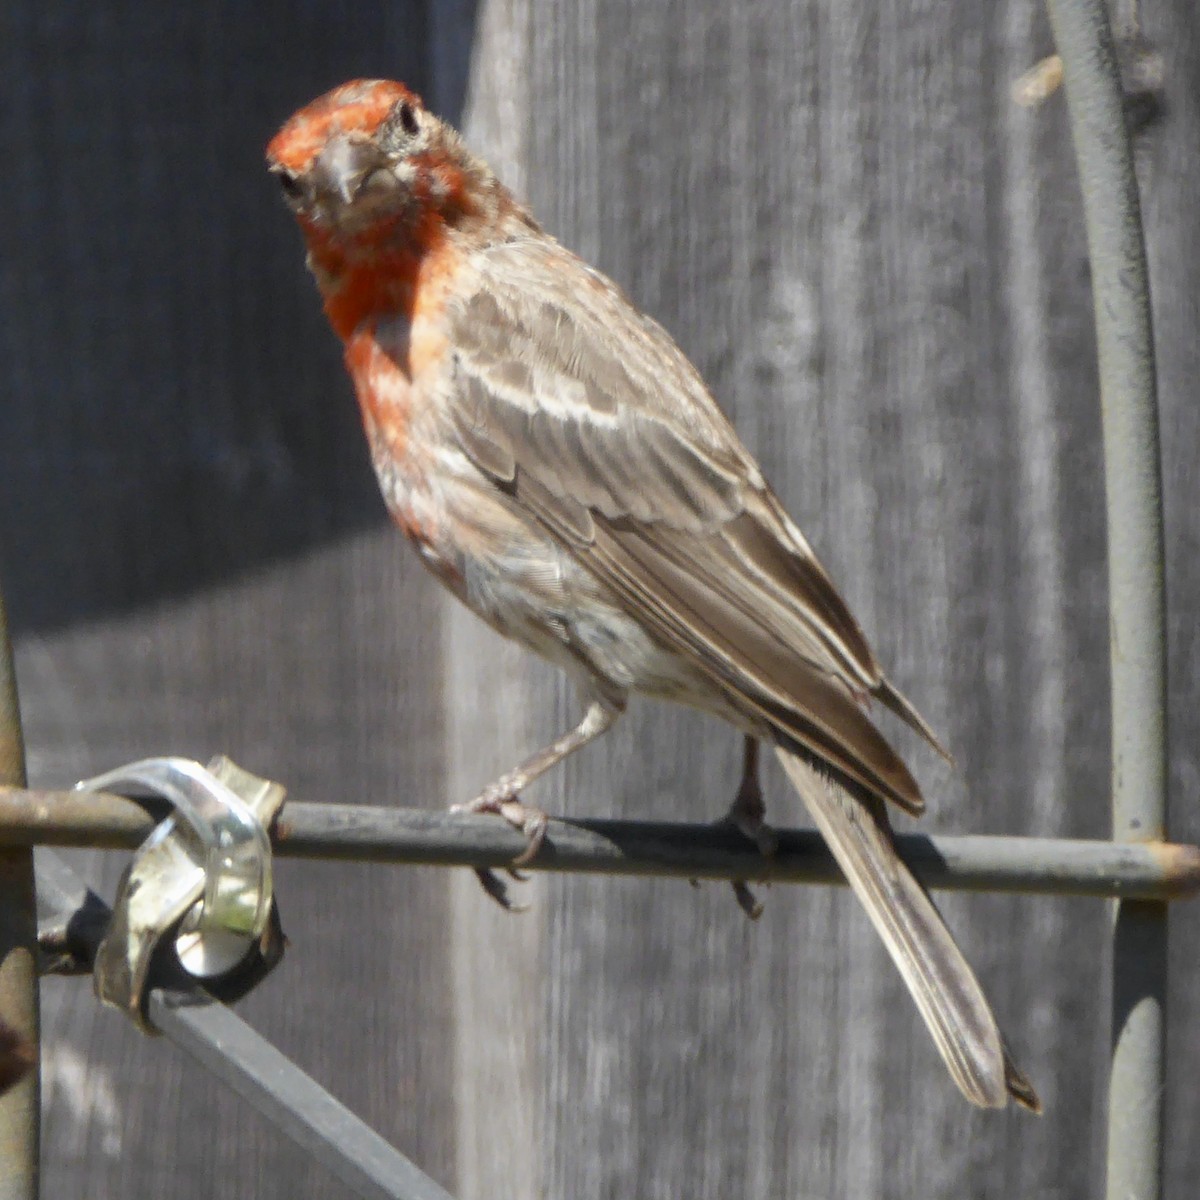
290,185
408,119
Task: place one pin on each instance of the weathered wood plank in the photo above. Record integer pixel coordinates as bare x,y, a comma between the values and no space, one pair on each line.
876,260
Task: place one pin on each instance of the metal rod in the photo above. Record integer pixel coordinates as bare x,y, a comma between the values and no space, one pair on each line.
295,1103
20,1106
1133,485
399,835
225,1045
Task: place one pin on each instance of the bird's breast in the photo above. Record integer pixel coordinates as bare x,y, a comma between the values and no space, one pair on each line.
398,353
396,367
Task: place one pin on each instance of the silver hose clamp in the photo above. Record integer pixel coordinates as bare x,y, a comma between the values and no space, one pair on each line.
203,875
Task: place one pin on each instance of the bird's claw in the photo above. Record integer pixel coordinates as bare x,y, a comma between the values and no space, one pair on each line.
534,828
497,889
748,902
532,822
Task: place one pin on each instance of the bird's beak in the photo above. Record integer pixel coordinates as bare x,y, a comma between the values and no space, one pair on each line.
341,167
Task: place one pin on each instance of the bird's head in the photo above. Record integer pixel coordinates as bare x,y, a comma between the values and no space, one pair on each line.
378,185
368,160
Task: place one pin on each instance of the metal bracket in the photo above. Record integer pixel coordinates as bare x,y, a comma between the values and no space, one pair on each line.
203,876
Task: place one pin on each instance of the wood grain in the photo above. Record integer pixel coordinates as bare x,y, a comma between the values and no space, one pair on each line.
877,261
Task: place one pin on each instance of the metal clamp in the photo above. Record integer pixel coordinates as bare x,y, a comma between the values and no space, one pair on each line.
203,875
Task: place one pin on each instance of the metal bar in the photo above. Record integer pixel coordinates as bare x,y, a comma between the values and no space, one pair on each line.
295,1103
1121,298
20,1106
420,836
225,1045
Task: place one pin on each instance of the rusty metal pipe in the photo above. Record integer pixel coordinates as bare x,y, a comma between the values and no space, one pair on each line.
685,851
20,1105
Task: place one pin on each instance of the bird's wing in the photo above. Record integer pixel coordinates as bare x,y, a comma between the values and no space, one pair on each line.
591,419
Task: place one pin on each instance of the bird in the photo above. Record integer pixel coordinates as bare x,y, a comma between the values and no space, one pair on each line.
561,467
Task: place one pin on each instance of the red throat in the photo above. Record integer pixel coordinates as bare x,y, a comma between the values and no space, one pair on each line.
371,277
375,273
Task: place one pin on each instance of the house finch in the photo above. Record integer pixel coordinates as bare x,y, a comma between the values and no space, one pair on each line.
560,466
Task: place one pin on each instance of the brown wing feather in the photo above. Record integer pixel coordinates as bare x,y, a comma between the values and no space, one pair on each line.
662,502
713,624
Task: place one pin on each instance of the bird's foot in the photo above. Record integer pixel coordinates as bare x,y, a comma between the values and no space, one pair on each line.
747,814
503,801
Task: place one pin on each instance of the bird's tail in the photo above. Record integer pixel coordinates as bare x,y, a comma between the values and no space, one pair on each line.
944,987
